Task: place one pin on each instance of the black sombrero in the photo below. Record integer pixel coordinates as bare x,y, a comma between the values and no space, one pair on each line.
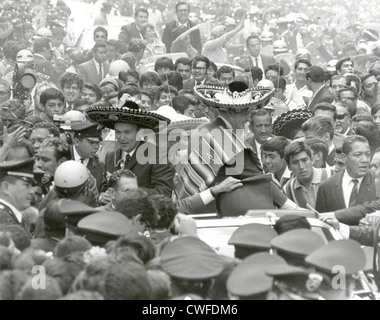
236,97
286,124
107,115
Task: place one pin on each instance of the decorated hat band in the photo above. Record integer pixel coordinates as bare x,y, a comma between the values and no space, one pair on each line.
235,97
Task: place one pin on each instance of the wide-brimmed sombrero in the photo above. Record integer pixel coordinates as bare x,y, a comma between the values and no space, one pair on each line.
289,122
107,115
235,97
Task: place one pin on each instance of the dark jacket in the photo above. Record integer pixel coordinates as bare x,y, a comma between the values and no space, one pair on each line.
170,35
152,176
330,193
323,95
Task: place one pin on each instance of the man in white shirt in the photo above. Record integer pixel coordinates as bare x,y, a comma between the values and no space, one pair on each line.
355,185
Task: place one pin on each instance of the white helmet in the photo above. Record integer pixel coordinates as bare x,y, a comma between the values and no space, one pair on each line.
24,56
44,33
70,117
279,46
70,174
265,83
117,66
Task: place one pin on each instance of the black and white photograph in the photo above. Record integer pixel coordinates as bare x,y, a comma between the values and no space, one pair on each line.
185,155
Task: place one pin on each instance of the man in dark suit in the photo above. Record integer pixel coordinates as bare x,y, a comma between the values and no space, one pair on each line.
171,30
254,58
357,180
87,137
199,66
95,70
315,79
133,30
16,192
144,159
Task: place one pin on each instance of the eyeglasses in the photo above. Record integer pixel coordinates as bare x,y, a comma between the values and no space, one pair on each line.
341,116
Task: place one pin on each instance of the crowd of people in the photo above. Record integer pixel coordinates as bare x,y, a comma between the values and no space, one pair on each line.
108,153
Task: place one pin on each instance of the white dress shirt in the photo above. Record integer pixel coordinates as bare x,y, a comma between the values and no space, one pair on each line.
347,186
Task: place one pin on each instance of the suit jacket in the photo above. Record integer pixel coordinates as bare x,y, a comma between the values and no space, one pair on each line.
330,193
95,167
90,72
190,83
323,95
169,35
127,33
7,216
154,177
330,160
246,62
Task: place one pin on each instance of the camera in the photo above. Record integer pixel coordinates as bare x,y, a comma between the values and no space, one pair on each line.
23,81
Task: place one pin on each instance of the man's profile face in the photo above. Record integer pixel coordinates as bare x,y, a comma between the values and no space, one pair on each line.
126,134
46,160
86,148
38,136
347,67
123,186
20,194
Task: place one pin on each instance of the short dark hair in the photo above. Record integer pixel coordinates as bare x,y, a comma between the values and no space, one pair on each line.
136,45
163,62
279,82
173,78
201,58
325,106
95,88
166,89
225,69
351,89
181,3
350,140
123,75
97,46
318,145
305,61
370,131
337,77
141,9
340,62
180,104
70,78
319,125
51,128
296,147
101,29
316,74
256,73
250,38
150,76
275,67
277,144
50,94
260,112
183,60
166,210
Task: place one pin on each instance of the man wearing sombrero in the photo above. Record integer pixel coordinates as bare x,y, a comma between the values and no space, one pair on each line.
217,150
154,174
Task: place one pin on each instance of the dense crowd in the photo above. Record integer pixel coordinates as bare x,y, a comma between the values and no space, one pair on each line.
110,148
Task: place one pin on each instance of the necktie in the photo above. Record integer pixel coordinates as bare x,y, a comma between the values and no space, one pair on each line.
354,193
100,72
127,158
82,160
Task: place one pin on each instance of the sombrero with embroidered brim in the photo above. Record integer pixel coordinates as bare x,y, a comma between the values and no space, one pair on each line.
286,124
235,97
107,115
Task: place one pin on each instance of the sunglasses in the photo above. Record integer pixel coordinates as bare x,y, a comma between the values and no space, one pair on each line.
341,116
